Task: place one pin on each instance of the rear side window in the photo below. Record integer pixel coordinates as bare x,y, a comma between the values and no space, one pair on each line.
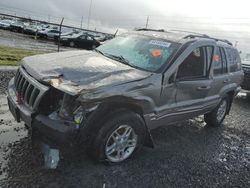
234,61
219,61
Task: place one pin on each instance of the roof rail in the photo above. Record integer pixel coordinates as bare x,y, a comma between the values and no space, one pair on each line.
146,29
184,31
207,37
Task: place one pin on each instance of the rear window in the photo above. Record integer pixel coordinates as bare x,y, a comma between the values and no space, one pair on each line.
234,61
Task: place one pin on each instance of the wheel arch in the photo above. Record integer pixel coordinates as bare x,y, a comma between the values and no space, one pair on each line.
231,95
107,108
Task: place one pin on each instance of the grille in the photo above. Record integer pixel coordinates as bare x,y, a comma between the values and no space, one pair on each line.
31,90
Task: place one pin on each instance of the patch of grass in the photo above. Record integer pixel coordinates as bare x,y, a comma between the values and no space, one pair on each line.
12,56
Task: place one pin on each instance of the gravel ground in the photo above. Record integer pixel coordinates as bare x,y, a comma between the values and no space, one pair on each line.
187,154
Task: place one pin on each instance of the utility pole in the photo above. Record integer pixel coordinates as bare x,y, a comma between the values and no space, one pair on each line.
59,37
90,7
81,22
147,22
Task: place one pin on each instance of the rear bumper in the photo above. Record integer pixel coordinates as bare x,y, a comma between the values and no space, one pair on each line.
56,132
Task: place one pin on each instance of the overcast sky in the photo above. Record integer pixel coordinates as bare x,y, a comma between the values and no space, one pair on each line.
221,18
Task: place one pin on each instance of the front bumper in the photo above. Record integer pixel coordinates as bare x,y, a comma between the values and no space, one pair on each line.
56,132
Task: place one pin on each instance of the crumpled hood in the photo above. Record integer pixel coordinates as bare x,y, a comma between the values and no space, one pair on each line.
78,71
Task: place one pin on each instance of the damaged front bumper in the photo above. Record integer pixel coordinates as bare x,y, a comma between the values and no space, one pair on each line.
56,132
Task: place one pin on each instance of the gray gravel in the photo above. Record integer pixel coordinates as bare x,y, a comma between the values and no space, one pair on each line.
187,154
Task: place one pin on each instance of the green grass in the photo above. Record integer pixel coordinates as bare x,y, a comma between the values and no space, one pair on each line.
12,56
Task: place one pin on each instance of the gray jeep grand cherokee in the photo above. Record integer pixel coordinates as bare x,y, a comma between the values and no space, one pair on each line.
108,100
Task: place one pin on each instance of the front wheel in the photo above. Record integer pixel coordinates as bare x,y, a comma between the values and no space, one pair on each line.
216,117
119,137
93,47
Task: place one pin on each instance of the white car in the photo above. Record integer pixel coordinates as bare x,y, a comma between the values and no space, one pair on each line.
5,24
48,33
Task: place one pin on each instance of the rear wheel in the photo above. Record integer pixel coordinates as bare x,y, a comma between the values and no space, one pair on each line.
216,117
118,137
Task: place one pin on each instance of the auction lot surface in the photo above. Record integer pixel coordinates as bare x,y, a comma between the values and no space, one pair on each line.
187,154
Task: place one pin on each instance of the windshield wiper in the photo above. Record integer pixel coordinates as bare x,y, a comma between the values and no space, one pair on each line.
119,58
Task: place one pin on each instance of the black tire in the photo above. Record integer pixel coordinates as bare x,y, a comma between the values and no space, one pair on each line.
112,122
93,47
212,118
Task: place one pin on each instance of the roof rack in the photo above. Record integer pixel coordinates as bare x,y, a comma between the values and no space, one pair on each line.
189,32
146,29
207,37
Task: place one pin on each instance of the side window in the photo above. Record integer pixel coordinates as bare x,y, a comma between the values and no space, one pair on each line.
224,60
234,61
83,37
194,66
89,38
219,61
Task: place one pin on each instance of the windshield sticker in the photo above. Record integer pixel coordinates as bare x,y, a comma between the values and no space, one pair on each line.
156,53
160,43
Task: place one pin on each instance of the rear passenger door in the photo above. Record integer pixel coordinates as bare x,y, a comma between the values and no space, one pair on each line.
193,82
220,73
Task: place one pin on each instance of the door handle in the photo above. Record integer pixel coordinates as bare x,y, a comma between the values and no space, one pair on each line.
225,81
203,88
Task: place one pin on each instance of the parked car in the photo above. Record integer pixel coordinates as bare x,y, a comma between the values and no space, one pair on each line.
246,68
17,26
67,34
108,100
48,33
84,40
31,29
5,24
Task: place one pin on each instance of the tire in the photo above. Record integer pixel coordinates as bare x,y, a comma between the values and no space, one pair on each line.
106,136
71,44
93,46
217,116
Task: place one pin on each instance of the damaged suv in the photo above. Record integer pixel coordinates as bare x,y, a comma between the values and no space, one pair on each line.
108,100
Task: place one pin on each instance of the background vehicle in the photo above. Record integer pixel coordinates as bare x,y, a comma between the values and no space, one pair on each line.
31,29
5,24
48,33
109,99
246,68
17,26
85,41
